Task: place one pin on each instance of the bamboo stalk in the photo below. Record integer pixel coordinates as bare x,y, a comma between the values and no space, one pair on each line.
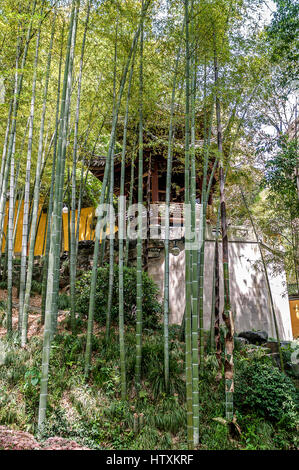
98,229
73,244
122,226
36,197
188,293
54,244
139,290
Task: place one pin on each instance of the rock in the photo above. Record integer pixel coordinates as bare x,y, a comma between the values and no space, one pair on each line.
275,359
273,345
241,341
255,337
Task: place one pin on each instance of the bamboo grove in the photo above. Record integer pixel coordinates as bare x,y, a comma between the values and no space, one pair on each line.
81,79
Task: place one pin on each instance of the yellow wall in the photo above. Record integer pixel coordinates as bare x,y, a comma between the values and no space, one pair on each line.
294,309
18,241
86,231
85,228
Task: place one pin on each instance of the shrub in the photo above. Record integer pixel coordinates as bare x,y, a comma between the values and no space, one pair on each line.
268,392
63,302
150,304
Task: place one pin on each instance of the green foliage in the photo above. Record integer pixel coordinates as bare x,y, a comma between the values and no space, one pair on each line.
63,302
92,414
262,388
150,305
91,192
153,367
105,370
281,176
36,287
283,35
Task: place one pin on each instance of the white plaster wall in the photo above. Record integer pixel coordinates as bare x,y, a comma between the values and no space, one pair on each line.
249,294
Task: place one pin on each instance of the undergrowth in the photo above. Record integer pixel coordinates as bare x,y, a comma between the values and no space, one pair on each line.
93,414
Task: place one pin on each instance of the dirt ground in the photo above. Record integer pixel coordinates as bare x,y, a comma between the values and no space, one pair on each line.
35,328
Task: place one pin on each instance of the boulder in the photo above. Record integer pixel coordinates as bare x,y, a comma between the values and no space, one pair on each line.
241,342
273,345
255,337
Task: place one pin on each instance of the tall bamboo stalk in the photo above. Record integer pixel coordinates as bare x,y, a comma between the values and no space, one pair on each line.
204,201
167,225
51,195
111,212
131,190
62,146
73,247
122,226
4,151
16,101
36,195
55,235
188,290
25,232
98,229
139,291
9,241
194,264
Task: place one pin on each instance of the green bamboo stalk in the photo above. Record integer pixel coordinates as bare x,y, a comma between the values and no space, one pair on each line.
73,244
35,207
51,196
188,290
20,202
98,229
194,263
167,228
111,212
62,146
25,232
122,221
9,241
204,200
55,240
111,251
217,311
4,151
16,101
139,291
131,189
